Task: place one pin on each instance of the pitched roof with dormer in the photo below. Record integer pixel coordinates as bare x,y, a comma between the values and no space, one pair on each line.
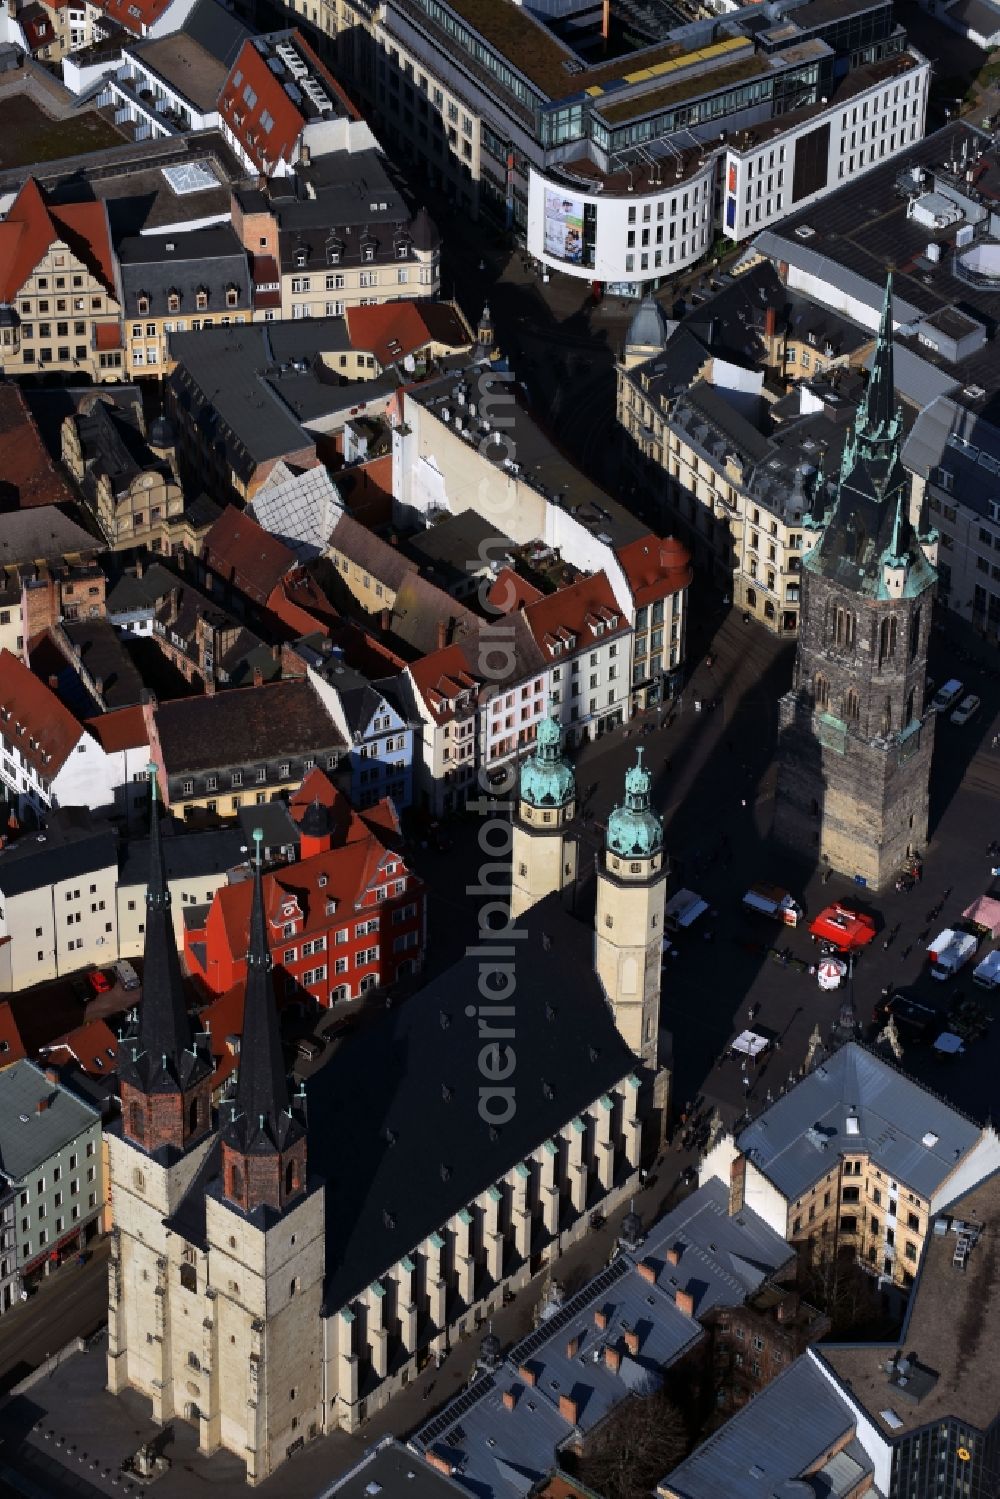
33,720
576,617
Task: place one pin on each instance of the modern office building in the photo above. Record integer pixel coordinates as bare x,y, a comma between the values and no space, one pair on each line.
622,142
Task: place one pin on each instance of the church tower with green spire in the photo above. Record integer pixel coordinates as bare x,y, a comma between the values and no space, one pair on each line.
543,853
855,746
631,886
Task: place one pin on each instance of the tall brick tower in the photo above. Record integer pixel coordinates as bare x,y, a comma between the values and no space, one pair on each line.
165,1074
855,745
265,1228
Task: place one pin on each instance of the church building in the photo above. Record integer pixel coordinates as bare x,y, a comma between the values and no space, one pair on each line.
284,1269
856,738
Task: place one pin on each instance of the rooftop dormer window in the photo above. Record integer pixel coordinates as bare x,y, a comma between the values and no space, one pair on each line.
232,296
301,256
201,298
142,302
173,301
369,252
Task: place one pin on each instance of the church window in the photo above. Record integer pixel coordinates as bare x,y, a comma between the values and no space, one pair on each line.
235,1182
189,1277
852,707
136,1123
909,707
914,633
192,1116
138,1180
887,640
887,717
843,628
292,1176
821,691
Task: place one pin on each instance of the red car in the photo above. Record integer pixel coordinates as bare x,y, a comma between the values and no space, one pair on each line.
98,981
844,929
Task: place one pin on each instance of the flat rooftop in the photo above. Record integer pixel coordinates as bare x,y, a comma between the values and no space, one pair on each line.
186,66
847,239
717,79
951,1331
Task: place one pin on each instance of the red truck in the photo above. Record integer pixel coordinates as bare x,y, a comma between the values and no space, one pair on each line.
844,929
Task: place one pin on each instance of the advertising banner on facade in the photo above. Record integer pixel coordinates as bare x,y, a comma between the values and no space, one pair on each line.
563,227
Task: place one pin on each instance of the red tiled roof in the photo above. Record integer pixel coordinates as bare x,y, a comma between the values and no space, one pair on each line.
38,30
440,677
299,602
135,15
392,330
33,224
246,555
581,613
11,1045
654,568
93,1045
224,1018
25,464
108,336
123,729
268,91
510,591
34,720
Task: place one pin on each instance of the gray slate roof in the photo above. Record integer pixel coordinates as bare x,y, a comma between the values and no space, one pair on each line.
210,260
28,1138
42,534
185,855
74,843
947,435
800,1137
782,1433
722,1260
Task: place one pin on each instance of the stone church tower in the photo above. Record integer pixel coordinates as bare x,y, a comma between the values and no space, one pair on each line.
543,854
855,743
217,1262
631,885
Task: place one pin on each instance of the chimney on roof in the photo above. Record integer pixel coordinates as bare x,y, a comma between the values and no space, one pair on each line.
41,1105
573,1346
509,1399
442,633
568,1409
528,1374
386,620
258,677
53,683
600,1319
612,1359
52,1075
770,322
673,1255
647,1271
684,1302
632,1342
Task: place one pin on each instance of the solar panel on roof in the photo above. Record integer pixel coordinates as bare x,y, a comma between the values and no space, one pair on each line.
455,1411
570,1311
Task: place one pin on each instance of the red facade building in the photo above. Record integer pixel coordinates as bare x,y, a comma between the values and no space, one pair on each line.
347,916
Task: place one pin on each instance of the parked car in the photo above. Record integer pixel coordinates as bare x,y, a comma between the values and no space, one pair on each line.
967,708
126,974
98,981
946,695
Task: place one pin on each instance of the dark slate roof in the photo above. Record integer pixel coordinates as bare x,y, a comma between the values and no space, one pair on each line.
42,534
216,29
276,721
262,1121
275,822
131,593
160,1056
210,260
113,446
105,658
185,854
74,843
415,1073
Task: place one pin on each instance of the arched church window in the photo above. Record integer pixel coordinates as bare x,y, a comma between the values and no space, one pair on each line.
852,707
887,716
821,691
915,632
136,1122
189,1277
887,640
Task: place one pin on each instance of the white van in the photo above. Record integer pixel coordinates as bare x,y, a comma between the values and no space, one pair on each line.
987,973
126,974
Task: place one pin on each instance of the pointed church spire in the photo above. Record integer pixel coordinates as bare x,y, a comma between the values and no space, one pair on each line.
262,1119
163,1041
878,417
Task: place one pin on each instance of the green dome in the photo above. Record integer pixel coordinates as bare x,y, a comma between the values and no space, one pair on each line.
634,830
547,778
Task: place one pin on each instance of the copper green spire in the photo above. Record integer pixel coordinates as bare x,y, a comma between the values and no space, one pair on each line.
635,829
547,778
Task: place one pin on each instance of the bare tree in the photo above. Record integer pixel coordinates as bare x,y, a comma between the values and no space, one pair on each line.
640,1443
